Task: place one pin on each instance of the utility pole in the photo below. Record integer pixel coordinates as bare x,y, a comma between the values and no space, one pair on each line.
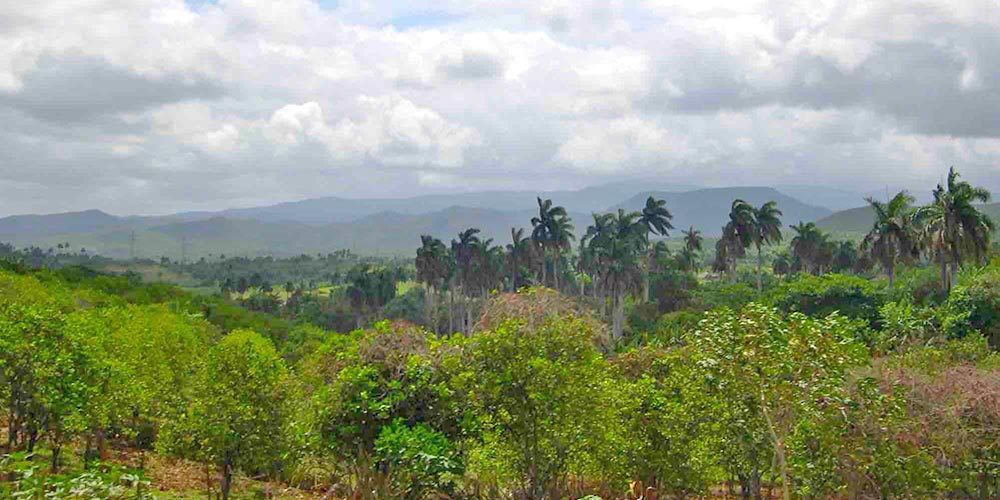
131,246
184,243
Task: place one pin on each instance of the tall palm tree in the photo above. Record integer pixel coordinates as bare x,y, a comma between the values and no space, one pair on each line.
766,230
692,239
655,219
892,237
464,251
805,246
519,253
953,228
599,230
432,270
553,229
618,243
737,236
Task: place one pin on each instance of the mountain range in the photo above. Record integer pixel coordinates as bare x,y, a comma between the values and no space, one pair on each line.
384,226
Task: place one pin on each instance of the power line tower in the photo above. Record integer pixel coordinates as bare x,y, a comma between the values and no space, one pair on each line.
131,246
184,246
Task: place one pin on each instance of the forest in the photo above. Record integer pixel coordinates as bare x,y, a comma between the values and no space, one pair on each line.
616,358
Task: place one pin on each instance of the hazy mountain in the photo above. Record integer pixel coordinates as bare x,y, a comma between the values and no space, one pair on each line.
708,209
332,209
822,196
294,228
69,222
860,219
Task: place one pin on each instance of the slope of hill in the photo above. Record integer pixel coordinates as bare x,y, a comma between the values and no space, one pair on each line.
708,209
860,219
69,222
382,232
823,196
332,209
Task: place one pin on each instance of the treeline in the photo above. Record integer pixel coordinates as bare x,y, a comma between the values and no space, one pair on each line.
631,376
536,402
616,255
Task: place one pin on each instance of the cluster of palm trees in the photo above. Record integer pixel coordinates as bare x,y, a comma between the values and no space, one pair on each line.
615,256
950,230
747,226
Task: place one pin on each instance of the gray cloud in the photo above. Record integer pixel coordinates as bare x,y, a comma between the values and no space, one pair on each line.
153,107
473,65
76,88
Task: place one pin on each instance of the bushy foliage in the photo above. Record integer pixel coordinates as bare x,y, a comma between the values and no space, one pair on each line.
540,396
975,305
818,296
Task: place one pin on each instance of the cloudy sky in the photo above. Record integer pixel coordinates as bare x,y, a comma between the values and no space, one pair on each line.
145,106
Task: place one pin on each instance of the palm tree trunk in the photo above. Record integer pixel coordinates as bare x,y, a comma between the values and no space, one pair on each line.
427,304
451,310
513,275
760,264
891,270
645,277
555,268
545,255
618,314
945,276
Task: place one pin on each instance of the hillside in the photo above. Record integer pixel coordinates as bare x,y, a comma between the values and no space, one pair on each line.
860,219
324,225
708,209
69,222
333,209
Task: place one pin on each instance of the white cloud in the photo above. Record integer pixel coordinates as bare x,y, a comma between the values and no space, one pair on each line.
287,99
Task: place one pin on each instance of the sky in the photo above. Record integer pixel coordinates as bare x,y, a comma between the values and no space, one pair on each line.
152,107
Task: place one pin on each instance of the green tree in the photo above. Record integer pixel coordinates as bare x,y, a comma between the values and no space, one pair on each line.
520,254
766,230
432,270
892,237
954,229
236,417
46,372
617,242
553,230
772,371
541,400
655,218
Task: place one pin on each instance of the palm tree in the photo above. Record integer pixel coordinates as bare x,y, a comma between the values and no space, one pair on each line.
655,219
892,237
737,235
617,242
692,239
766,229
519,253
782,264
806,245
553,229
464,251
953,227
432,270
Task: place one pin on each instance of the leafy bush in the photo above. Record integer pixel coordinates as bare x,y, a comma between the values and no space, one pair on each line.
819,296
419,459
543,402
975,305
718,294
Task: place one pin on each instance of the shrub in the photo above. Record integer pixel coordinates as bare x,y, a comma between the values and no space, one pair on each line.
975,305
419,459
818,296
543,402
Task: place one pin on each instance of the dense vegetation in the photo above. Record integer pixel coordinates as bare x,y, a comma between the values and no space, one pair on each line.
614,366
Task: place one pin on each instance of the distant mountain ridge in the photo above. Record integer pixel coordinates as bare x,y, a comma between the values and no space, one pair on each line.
708,209
860,219
390,226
